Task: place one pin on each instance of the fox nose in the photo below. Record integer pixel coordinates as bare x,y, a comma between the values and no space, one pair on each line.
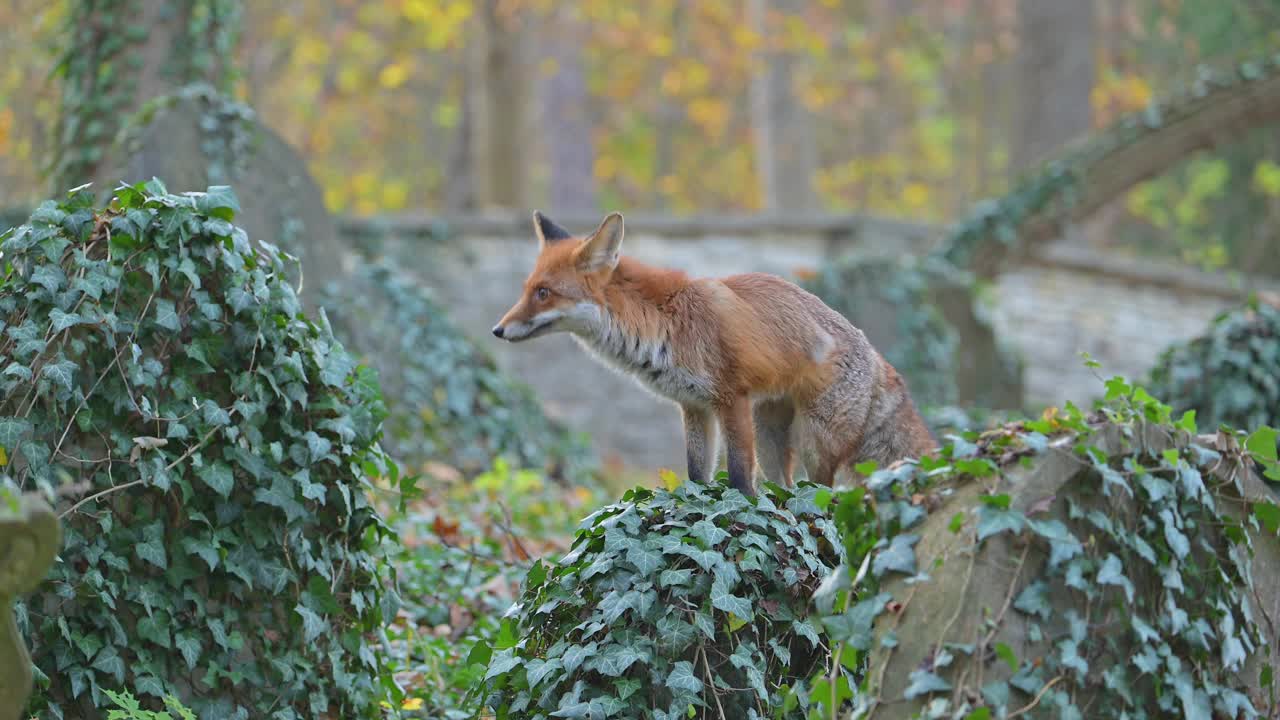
498,330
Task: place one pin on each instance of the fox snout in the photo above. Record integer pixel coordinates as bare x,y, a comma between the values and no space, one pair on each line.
515,326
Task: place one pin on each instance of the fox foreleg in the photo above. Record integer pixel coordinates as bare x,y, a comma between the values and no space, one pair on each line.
739,436
700,442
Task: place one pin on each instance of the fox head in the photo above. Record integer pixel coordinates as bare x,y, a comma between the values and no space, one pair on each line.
564,291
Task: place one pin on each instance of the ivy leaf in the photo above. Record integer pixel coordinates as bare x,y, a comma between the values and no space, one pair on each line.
240,299
670,577
1268,513
708,533
12,430
317,446
61,320
48,276
803,629
682,677
312,624
110,662
616,658
898,557
722,598
1262,444
576,654
218,476
1112,573
167,315
1034,600
503,661
153,629
1178,542
645,559
190,647
219,201
62,373
992,521
214,415
924,682
536,670
153,552
1006,654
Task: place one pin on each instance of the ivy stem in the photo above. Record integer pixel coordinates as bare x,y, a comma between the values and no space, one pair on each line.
139,481
839,650
711,684
1036,701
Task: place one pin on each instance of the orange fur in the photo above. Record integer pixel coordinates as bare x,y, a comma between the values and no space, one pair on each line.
728,349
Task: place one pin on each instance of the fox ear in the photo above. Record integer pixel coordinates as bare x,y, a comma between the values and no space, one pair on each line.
600,250
547,231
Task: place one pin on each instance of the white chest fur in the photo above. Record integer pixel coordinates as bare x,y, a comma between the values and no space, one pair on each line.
649,361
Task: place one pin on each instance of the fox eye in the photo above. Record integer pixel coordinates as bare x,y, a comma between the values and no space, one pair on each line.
542,294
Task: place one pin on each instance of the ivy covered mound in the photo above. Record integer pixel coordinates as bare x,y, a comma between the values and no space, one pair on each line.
446,398
1112,565
1231,374
211,448
668,602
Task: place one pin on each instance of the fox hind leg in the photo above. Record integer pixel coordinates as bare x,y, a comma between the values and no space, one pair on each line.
773,421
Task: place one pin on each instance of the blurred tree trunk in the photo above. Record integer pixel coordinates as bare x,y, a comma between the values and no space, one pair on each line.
1056,69
110,73
782,128
565,121
460,166
499,129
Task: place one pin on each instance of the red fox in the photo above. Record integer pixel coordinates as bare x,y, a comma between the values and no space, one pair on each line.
780,371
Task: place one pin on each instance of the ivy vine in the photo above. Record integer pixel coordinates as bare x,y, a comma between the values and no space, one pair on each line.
210,448
1134,585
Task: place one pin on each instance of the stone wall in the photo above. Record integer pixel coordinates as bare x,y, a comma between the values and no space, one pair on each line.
1063,300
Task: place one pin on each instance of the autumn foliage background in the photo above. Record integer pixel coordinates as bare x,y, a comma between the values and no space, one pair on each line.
910,109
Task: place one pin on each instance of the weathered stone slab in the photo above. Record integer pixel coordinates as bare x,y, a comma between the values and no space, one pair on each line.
29,542
196,138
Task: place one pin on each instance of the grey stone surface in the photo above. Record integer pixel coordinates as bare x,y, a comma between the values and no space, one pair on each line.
29,542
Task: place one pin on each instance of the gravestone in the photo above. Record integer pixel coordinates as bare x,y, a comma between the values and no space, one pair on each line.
29,542
196,137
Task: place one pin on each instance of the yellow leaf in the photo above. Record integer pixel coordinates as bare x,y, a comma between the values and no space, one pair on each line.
915,195
1266,178
4,459
661,44
447,114
669,479
735,622
411,704
393,76
606,167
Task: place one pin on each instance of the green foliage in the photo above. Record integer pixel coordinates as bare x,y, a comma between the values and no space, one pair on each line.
448,401
670,601
131,709
222,444
1231,374
1139,547
1216,210
993,232
467,547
